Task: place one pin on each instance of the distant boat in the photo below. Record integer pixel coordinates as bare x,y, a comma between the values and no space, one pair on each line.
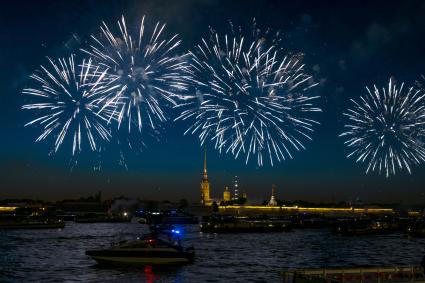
100,218
66,217
168,217
417,229
32,224
163,228
313,223
180,219
148,251
229,224
363,226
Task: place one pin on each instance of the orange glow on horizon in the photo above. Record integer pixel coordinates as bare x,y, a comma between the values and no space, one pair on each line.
7,208
310,209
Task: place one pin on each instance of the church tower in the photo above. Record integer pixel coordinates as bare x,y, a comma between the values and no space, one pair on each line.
273,201
205,185
226,195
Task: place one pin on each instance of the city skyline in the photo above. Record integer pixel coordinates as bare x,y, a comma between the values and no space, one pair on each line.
336,48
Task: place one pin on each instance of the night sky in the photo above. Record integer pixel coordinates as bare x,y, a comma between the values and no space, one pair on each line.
347,45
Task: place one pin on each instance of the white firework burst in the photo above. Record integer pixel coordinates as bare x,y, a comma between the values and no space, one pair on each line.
385,129
66,100
146,70
249,99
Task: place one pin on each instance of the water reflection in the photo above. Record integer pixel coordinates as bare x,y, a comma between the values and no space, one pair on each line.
59,255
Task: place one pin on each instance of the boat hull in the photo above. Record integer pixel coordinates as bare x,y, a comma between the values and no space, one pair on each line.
245,227
121,257
420,233
139,261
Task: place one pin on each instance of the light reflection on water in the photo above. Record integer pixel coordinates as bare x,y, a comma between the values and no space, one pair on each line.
58,255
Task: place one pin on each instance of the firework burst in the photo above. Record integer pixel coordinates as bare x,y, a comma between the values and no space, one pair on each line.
146,70
248,99
67,99
386,127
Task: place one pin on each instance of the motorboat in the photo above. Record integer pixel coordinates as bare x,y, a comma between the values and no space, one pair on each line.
166,229
150,250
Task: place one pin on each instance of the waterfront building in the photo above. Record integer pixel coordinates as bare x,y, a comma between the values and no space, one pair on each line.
226,195
244,195
272,206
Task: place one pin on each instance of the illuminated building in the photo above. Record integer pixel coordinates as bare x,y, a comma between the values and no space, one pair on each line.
260,209
7,208
272,207
226,194
273,201
205,184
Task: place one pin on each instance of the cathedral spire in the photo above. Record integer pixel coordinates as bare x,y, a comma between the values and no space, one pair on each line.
205,185
205,163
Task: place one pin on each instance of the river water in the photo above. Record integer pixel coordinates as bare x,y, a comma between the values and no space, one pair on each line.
59,255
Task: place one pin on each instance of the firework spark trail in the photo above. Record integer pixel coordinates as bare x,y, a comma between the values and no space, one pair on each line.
386,129
248,99
146,70
67,102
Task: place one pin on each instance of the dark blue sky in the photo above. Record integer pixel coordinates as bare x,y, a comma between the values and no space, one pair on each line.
347,45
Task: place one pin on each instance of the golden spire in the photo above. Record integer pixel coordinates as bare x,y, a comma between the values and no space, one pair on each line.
205,185
205,164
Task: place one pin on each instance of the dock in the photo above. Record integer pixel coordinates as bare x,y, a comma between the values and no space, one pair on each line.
356,274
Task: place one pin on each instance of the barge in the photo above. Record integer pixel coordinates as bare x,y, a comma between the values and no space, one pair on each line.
355,274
